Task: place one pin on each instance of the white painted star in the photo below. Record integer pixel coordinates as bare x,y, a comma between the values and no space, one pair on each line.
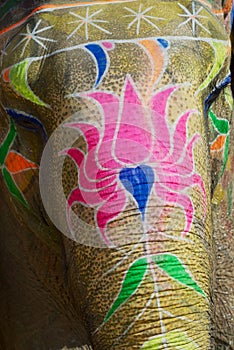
33,35
141,16
193,17
86,21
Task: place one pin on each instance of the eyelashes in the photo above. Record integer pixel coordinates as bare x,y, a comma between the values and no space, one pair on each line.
28,122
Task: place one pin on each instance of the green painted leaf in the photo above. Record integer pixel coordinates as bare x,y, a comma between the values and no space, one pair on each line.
225,155
175,340
5,146
220,50
221,125
132,281
229,192
18,78
12,187
174,268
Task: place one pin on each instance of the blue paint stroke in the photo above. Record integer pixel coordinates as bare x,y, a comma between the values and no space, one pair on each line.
164,43
28,122
138,182
101,60
232,17
216,92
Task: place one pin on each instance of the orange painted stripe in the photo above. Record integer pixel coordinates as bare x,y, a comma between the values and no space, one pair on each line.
16,163
226,8
57,7
157,56
218,143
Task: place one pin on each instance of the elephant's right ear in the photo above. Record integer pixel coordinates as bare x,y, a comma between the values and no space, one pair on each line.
224,10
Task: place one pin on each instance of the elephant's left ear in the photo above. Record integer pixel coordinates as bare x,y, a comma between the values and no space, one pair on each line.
218,112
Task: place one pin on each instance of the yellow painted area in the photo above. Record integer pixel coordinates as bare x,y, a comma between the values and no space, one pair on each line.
175,340
218,195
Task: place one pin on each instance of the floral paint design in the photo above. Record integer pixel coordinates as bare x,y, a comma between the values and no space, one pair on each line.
11,162
221,142
134,156
17,75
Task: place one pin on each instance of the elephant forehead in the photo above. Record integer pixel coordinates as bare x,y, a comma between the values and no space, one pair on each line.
151,16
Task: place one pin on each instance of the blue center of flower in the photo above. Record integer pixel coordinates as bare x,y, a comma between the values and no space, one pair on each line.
138,181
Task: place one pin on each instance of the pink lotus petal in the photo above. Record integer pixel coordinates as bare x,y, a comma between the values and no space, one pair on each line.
159,104
88,198
134,138
187,163
179,183
133,144
76,154
109,104
171,181
178,199
75,197
89,131
107,191
110,108
89,169
105,158
180,136
91,178
130,93
196,179
110,210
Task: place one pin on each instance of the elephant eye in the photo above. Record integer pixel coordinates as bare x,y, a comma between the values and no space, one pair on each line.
28,122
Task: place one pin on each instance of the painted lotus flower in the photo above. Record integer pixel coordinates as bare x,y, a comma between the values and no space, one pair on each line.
137,152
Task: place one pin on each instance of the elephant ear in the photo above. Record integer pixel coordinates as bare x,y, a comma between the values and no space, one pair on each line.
218,109
174,339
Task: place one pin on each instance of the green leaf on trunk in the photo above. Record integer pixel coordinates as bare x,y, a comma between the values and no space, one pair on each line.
174,268
5,146
221,125
13,188
225,155
131,283
174,340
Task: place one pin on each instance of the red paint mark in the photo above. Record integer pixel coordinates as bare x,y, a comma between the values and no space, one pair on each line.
108,45
16,163
50,7
6,75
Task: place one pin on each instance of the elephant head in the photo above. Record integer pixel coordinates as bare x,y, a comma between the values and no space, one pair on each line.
114,160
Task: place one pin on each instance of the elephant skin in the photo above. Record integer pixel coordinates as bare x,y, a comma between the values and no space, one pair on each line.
116,175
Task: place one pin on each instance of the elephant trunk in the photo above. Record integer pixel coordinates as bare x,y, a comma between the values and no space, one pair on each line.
148,284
